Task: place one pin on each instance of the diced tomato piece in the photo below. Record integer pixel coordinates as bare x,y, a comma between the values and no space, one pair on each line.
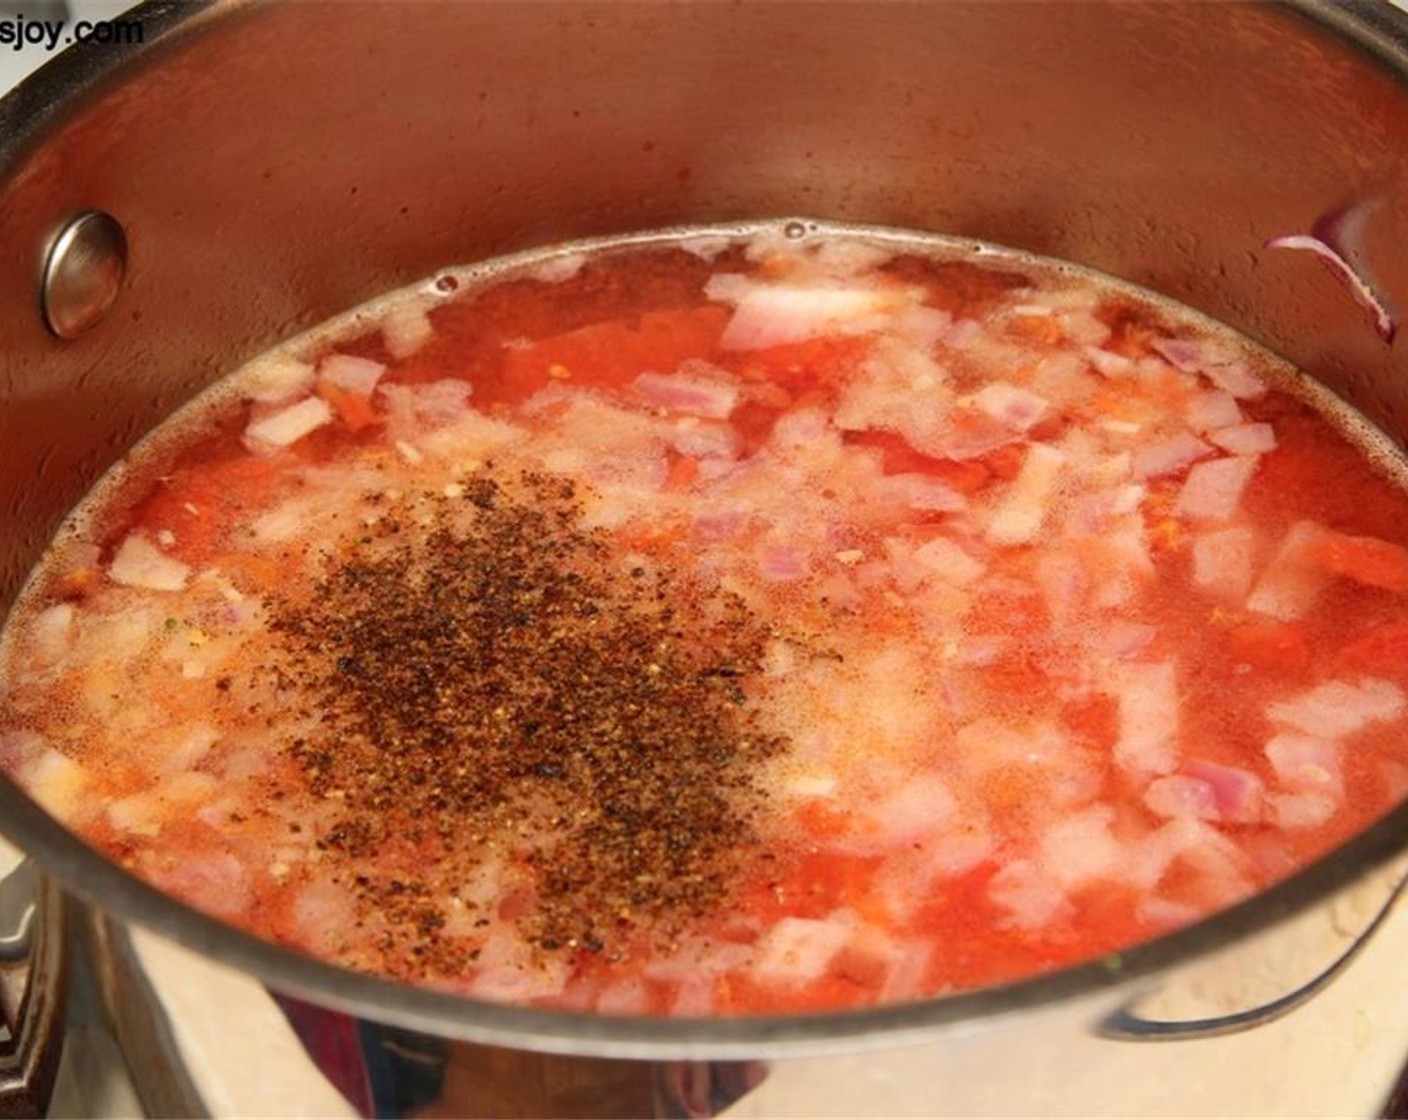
353,409
669,337
682,471
823,820
898,457
1038,330
1005,463
1382,651
1095,719
1367,560
613,353
797,366
1278,646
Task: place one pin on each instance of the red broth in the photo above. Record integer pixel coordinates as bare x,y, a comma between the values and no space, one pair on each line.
728,625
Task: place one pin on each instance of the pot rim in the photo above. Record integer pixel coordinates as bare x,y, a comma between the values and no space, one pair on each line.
60,87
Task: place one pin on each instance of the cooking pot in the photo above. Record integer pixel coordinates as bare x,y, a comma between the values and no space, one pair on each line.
173,207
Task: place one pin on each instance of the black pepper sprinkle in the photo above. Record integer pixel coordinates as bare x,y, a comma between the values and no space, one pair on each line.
499,682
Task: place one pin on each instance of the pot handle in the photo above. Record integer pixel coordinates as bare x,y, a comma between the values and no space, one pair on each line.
32,989
1262,977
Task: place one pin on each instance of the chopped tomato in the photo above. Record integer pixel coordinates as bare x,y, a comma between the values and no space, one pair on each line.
1367,560
1006,462
898,457
1036,330
683,470
1278,646
798,366
1094,719
1382,650
353,409
613,353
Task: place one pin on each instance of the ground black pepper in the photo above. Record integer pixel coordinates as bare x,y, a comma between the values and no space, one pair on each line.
496,680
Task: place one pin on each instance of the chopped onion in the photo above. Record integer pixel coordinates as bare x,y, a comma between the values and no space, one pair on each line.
1213,491
1335,709
289,425
1147,697
1245,439
1213,408
1081,848
948,562
776,314
798,950
711,397
355,375
1028,895
1168,456
1179,795
1334,239
1293,579
139,563
405,329
1222,563
1011,405
1304,762
1310,809
276,378
1019,515
1237,793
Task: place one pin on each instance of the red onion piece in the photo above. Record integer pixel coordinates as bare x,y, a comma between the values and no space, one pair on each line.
1333,239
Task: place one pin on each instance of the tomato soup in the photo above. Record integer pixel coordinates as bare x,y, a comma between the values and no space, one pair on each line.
777,620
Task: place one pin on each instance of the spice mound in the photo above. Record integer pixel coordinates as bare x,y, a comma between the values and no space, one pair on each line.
486,681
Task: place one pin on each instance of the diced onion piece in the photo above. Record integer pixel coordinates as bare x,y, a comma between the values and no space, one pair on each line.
139,563
1234,377
713,398
1147,700
1019,515
405,329
52,632
948,562
1293,579
919,491
1213,491
1237,793
1109,364
1245,439
1081,848
1305,762
1211,409
355,375
1222,563
1310,809
776,314
1335,709
919,806
289,425
1179,795
277,377
1028,895
1169,456
1214,362
798,950
1011,405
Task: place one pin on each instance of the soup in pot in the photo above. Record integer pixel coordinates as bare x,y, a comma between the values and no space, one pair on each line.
779,619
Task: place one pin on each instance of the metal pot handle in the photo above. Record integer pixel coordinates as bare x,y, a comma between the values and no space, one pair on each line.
1261,978
33,982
